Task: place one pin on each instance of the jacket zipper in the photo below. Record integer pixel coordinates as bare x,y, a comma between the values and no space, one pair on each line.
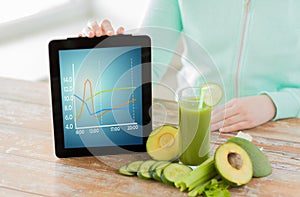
237,71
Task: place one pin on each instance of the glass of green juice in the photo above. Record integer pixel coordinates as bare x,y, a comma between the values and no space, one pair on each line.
194,127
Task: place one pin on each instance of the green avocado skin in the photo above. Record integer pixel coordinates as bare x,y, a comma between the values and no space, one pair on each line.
260,163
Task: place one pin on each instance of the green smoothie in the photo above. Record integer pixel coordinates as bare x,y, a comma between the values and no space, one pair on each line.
194,128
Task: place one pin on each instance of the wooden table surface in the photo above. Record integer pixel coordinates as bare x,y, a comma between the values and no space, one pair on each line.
28,166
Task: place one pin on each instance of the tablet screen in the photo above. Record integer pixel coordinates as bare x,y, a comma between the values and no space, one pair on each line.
101,96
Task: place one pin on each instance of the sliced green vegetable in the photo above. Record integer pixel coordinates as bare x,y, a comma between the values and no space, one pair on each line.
123,170
158,168
134,166
173,172
152,168
202,181
143,171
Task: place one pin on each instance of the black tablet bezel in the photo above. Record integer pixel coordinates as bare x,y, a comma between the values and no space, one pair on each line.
87,43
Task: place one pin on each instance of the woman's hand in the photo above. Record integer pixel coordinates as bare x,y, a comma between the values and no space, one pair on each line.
242,113
94,28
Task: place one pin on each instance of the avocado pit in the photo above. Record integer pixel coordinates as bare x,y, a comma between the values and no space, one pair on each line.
235,160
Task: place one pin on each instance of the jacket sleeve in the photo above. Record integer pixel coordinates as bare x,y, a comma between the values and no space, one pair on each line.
162,23
287,103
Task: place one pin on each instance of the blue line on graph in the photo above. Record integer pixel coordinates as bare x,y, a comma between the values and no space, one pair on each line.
97,112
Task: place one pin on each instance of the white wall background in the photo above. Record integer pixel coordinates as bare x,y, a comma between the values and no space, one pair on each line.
24,40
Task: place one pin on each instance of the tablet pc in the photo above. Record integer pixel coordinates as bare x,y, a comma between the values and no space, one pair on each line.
101,94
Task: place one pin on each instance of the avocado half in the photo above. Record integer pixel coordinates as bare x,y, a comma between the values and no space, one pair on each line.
162,143
233,164
260,163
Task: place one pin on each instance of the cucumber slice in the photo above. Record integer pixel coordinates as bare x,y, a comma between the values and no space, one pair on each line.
211,93
173,172
159,169
152,168
143,171
134,166
123,170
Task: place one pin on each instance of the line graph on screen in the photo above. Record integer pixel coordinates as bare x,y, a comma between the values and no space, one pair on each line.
102,109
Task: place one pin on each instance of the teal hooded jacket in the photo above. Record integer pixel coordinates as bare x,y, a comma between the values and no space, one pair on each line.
253,44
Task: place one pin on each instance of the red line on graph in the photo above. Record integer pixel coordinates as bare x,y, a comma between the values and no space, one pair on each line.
93,110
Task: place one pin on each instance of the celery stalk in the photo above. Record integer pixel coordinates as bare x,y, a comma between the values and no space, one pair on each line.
200,175
198,190
210,173
196,172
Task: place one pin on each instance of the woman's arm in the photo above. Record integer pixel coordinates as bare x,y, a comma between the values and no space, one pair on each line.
249,112
162,22
287,102
242,113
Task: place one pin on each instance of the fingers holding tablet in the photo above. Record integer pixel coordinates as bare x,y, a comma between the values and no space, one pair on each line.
94,28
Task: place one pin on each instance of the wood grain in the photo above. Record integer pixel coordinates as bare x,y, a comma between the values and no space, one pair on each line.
29,167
